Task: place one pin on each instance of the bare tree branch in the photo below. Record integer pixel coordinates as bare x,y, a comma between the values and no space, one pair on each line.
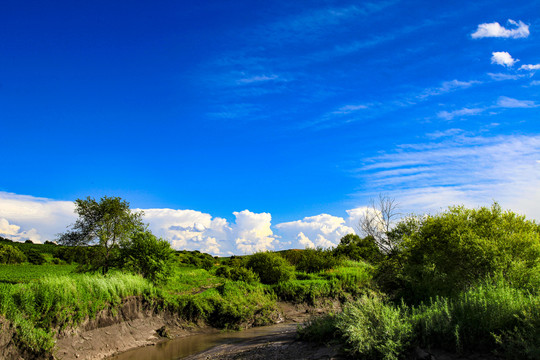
378,220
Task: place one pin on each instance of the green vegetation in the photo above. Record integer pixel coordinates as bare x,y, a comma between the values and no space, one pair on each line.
464,280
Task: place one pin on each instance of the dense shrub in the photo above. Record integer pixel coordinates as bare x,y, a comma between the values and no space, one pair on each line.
148,256
452,251
356,248
270,267
11,255
316,260
237,274
34,257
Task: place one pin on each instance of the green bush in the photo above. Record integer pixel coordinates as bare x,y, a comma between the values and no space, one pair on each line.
237,274
11,255
375,330
270,267
148,256
316,260
34,257
356,248
452,251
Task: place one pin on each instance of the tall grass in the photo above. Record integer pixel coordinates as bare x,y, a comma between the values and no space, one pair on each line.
489,316
39,308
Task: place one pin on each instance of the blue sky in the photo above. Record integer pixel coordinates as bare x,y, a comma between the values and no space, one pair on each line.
245,125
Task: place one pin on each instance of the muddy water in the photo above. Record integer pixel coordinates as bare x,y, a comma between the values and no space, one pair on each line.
182,347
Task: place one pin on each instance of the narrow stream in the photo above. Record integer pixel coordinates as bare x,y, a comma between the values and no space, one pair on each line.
182,347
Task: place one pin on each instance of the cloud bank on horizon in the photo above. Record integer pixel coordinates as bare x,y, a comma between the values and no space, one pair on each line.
455,168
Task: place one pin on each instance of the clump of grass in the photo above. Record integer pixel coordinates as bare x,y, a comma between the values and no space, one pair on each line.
373,329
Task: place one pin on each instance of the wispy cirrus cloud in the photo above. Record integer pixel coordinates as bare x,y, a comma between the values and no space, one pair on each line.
503,102
503,58
449,115
448,86
503,76
506,102
258,79
494,29
468,170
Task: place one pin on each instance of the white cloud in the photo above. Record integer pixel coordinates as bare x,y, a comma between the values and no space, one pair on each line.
252,232
38,218
322,230
464,170
12,232
530,67
506,102
535,83
503,58
189,229
494,29
449,115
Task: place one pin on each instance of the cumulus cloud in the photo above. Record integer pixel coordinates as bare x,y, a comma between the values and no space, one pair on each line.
520,30
503,58
189,229
38,219
506,102
322,230
252,232
13,232
530,67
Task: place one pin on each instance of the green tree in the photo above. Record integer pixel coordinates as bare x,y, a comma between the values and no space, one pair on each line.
148,256
104,223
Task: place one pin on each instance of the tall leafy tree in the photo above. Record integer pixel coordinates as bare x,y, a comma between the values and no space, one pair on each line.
104,224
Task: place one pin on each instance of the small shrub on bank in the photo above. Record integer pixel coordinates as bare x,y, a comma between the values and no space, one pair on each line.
270,267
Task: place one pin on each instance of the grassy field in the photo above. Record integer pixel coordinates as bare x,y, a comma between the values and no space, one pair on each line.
24,273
